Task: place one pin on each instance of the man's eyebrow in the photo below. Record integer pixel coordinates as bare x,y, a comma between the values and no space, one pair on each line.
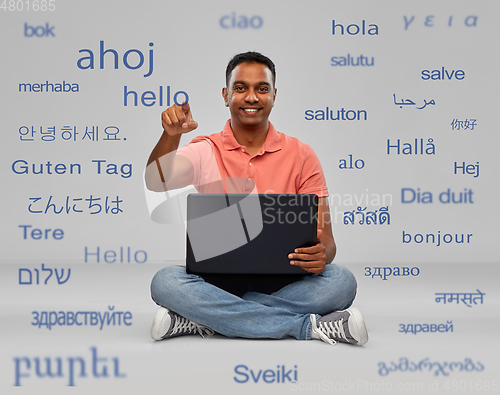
258,83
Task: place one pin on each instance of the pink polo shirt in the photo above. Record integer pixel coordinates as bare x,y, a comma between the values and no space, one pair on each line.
282,165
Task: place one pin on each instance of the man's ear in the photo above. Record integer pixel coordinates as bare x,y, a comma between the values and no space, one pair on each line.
224,95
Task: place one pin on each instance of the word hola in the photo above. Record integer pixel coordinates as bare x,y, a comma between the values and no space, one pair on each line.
87,62
39,31
50,367
443,74
234,21
354,29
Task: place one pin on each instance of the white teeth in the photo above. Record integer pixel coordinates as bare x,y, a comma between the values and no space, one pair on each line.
250,109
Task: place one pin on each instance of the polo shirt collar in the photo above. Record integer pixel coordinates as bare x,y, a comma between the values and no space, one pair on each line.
272,143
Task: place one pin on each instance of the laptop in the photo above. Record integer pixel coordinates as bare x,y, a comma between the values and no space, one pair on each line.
248,234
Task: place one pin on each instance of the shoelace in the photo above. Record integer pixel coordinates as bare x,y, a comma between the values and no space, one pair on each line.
328,330
183,325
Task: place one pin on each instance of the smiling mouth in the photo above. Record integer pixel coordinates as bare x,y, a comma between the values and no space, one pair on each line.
250,110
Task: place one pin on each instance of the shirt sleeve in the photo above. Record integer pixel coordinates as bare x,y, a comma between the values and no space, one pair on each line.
312,176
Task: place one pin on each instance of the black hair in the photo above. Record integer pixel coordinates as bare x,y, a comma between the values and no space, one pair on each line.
249,57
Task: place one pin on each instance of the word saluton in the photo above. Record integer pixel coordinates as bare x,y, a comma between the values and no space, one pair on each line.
87,62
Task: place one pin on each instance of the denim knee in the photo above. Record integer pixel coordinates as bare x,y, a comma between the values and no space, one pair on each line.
165,281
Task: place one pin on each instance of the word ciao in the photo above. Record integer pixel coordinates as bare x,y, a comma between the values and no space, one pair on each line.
443,74
417,328
354,29
234,21
281,375
391,271
444,368
69,367
96,205
28,278
431,21
467,298
121,256
87,62
21,166
70,318
410,195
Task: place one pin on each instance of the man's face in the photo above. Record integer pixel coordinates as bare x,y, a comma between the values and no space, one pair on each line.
250,95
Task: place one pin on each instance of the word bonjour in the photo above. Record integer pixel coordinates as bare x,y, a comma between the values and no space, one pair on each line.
388,271
417,328
467,298
52,367
470,21
70,318
243,374
430,238
21,166
410,195
234,21
29,280
354,29
124,255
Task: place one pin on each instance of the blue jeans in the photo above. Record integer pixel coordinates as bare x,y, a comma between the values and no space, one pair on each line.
254,315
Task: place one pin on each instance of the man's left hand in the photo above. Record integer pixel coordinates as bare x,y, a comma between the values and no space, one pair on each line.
311,259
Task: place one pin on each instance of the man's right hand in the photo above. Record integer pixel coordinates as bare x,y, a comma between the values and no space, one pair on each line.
177,120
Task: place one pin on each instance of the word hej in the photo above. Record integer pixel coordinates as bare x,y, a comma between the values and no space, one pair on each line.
243,374
354,29
21,166
410,195
28,280
69,367
431,21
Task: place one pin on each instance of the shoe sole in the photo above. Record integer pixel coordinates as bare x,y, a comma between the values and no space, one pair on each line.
358,326
156,327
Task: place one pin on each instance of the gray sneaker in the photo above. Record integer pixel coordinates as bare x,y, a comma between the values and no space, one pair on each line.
169,324
346,326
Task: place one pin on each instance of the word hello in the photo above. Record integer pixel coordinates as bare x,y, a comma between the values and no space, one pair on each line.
409,195
124,255
280,375
87,62
39,31
443,74
59,367
354,29
148,98
234,21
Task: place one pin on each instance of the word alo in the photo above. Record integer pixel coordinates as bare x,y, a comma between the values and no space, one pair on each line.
59,367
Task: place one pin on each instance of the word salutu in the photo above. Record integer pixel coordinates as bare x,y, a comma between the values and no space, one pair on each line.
408,102
88,318
59,367
28,277
444,368
466,298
